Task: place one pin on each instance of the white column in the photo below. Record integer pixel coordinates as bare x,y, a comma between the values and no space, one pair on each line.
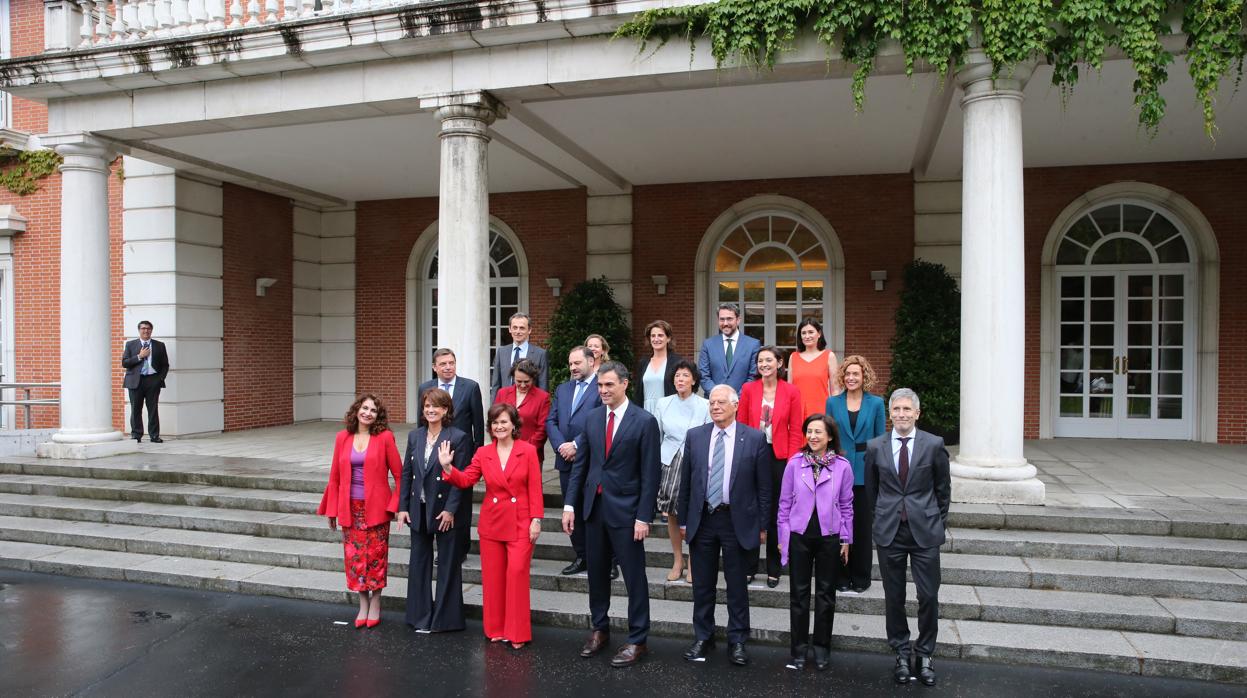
86,429
990,466
463,230
608,249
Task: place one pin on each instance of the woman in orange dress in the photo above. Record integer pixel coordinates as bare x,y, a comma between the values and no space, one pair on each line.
509,523
532,404
813,369
359,496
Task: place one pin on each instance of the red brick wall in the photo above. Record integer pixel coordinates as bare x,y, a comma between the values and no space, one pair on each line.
25,39
551,228
873,216
259,331
1217,189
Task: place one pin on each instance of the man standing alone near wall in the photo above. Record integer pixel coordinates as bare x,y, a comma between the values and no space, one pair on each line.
146,363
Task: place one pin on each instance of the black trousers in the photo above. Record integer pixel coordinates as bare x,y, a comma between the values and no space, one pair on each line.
601,541
578,531
716,538
857,573
425,611
147,392
812,553
925,565
752,564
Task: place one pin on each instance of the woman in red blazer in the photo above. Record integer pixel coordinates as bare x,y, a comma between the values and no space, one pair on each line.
772,405
509,522
532,404
359,496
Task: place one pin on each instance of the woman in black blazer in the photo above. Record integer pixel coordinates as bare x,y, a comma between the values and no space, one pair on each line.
427,503
661,362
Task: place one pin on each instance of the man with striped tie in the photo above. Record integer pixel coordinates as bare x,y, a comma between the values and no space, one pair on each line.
146,363
725,496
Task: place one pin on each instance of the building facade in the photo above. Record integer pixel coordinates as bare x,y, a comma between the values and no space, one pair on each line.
405,176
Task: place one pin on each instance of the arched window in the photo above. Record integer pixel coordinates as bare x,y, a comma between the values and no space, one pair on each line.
504,292
1123,234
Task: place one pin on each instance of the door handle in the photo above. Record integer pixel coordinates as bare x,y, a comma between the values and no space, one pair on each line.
1116,365
1125,365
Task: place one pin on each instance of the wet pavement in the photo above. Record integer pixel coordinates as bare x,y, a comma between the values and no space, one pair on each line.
69,636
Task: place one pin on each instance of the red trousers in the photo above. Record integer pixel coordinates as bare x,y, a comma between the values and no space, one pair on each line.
504,585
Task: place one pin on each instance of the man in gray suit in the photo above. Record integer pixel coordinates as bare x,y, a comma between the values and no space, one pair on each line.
509,355
147,364
908,484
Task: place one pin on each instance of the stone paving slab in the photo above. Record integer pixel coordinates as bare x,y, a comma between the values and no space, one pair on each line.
1204,552
1078,609
1085,649
1208,618
1146,579
1190,657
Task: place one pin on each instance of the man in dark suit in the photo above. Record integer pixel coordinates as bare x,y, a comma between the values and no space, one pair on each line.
908,482
469,417
509,355
146,363
573,401
730,357
614,482
725,495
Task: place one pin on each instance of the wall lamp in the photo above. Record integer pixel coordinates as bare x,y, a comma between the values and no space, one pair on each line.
661,282
555,285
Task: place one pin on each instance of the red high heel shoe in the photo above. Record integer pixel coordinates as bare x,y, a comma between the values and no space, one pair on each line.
373,622
359,622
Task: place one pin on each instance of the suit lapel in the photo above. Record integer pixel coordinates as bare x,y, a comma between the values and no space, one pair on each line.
432,460
621,430
737,450
584,399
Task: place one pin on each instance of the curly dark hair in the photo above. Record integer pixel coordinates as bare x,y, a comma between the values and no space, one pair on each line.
382,422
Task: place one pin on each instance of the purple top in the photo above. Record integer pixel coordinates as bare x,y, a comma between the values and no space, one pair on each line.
357,473
797,496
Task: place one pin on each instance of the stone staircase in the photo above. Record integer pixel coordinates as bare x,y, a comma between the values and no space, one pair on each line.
1126,590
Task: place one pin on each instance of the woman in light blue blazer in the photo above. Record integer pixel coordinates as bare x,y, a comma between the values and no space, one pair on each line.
860,417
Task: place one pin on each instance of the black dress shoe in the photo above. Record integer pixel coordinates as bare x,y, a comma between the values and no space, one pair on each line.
138,438
157,440
578,565
772,582
697,651
597,640
615,572
926,672
736,654
797,663
822,658
843,588
901,672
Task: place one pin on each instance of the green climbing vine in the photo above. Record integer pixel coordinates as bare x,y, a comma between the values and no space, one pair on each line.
1069,34
21,170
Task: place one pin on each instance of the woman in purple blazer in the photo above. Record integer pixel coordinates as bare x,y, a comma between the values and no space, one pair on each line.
815,525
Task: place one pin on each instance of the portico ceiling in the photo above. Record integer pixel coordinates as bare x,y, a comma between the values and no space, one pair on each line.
763,129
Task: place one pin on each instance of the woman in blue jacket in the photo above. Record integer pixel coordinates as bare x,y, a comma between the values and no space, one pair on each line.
859,416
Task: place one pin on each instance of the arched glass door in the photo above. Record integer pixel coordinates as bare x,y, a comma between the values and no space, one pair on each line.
1125,281
775,268
504,295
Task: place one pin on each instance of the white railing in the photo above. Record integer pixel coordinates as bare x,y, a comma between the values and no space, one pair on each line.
110,22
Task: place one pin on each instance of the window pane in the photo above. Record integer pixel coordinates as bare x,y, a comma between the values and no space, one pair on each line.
1084,232
1171,359
1140,285
1169,408
1071,406
1139,383
738,242
1108,218
1171,334
508,267
1171,310
1169,384
1101,407
1101,383
510,296
770,259
1102,287
729,292
433,267
1173,252
1071,382
1101,359
726,260
1140,311
812,292
1171,285
1072,311
1139,408
1139,334
1072,359
1122,251
1071,335
1159,230
1071,253
1073,286
1135,217
1102,311
1102,335
1139,359
759,229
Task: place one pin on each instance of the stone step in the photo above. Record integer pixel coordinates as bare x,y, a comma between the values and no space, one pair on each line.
1035,606
996,570
1124,652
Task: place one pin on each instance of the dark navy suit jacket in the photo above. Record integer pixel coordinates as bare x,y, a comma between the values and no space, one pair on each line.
748,489
629,476
419,474
469,414
563,425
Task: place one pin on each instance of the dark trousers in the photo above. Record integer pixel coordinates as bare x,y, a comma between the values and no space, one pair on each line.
578,531
147,392
601,541
925,565
717,538
445,610
812,554
857,573
752,563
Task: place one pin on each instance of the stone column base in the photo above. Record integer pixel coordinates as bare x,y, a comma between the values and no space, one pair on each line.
1028,491
85,451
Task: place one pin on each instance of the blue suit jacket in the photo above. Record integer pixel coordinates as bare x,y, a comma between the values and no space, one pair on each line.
563,425
712,362
870,424
749,489
628,477
469,413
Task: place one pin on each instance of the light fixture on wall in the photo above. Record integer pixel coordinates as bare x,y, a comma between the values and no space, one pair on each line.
555,285
879,277
661,282
262,284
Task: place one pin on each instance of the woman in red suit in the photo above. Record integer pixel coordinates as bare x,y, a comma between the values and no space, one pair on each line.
509,522
773,405
532,404
359,496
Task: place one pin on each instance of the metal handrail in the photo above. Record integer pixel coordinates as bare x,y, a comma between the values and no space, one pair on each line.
28,402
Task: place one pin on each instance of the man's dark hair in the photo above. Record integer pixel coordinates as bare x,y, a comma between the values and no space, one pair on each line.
146,322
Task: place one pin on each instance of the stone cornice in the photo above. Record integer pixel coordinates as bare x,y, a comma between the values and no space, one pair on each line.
374,34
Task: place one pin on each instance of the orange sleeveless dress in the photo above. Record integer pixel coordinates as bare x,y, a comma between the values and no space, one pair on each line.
811,378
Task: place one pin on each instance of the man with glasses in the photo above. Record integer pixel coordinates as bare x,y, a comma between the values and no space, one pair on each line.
146,363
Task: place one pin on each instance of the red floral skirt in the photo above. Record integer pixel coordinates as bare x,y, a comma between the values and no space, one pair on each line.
366,550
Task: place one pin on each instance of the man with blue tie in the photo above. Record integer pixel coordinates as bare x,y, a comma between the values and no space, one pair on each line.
146,363
725,497
730,357
573,401
520,348
465,395
613,489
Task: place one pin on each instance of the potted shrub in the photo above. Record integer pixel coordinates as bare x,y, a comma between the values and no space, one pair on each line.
588,308
926,350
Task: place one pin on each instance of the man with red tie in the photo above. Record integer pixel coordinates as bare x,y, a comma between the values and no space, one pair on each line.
613,487
909,487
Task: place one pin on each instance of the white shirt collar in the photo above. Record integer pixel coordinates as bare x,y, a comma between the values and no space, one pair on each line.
730,429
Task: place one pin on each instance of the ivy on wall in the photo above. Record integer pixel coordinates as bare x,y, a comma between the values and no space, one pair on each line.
1069,33
21,170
